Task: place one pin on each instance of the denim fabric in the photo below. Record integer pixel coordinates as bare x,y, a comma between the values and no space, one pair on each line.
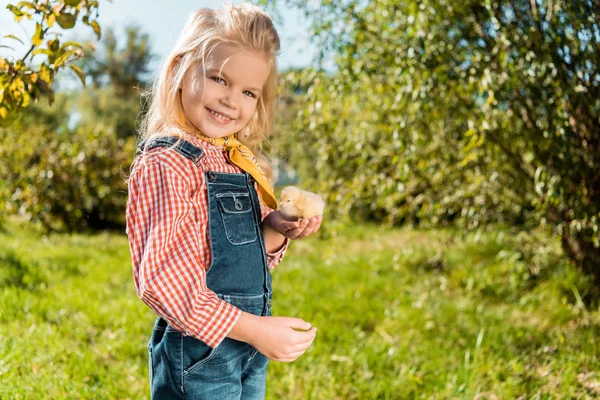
183,367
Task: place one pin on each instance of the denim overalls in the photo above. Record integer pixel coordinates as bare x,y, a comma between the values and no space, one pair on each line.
183,367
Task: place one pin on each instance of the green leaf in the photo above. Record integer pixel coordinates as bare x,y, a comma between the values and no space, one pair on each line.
15,10
72,3
66,20
60,60
54,44
79,73
51,19
45,74
96,28
42,51
13,37
73,44
38,36
26,99
27,4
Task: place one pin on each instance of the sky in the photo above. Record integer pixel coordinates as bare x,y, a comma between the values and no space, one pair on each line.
163,21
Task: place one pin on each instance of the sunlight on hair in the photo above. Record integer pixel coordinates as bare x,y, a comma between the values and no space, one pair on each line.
244,26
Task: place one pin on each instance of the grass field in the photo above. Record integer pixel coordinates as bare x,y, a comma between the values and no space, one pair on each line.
401,314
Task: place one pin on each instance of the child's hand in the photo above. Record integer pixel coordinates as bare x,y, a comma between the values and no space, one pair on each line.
293,229
278,341
306,227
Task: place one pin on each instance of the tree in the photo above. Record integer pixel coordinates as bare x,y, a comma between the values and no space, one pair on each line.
118,73
468,112
22,81
67,173
65,164
125,67
61,177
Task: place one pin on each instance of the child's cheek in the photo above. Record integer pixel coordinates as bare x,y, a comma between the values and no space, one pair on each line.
197,88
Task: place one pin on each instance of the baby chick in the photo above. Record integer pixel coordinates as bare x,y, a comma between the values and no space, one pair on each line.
298,203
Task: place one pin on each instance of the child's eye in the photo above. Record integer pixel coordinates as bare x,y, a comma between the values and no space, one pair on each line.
249,93
218,79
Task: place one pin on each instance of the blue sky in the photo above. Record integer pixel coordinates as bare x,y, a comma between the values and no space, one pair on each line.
163,21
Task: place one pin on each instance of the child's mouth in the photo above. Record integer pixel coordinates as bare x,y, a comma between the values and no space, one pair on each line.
219,117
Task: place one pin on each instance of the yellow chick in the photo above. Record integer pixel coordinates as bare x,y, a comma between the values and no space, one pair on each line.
298,203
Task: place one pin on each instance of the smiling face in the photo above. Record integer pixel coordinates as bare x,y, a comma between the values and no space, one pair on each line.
224,101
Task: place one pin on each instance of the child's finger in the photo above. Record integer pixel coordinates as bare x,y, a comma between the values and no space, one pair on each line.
293,233
303,345
309,229
300,337
318,224
293,356
296,232
314,221
287,225
298,323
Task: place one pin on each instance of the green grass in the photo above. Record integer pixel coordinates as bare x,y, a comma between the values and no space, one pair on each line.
401,313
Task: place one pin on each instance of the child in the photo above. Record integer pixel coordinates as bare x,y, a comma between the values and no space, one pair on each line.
202,243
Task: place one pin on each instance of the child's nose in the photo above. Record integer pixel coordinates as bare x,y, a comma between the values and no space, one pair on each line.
230,100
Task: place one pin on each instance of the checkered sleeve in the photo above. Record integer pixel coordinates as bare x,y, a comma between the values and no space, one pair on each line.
273,258
163,232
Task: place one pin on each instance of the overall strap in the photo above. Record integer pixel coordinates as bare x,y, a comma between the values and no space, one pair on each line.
184,147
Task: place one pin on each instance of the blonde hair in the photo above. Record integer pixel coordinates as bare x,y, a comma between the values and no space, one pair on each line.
244,26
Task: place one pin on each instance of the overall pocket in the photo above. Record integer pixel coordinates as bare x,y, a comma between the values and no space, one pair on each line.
235,208
221,364
195,353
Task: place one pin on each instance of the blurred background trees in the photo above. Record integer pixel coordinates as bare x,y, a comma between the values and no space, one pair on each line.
65,165
469,113
473,113
478,116
118,75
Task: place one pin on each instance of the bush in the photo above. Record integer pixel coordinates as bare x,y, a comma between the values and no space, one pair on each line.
63,179
458,112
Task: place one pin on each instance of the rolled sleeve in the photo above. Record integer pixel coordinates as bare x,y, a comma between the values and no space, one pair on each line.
163,233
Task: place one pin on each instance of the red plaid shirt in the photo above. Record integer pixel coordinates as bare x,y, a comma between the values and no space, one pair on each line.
167,227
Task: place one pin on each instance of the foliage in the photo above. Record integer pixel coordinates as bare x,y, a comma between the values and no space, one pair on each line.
23,82
119,73
67,163
125,67
103,108
466,112
64,179
446,316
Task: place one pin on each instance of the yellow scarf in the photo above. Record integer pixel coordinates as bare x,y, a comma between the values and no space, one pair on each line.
242,156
